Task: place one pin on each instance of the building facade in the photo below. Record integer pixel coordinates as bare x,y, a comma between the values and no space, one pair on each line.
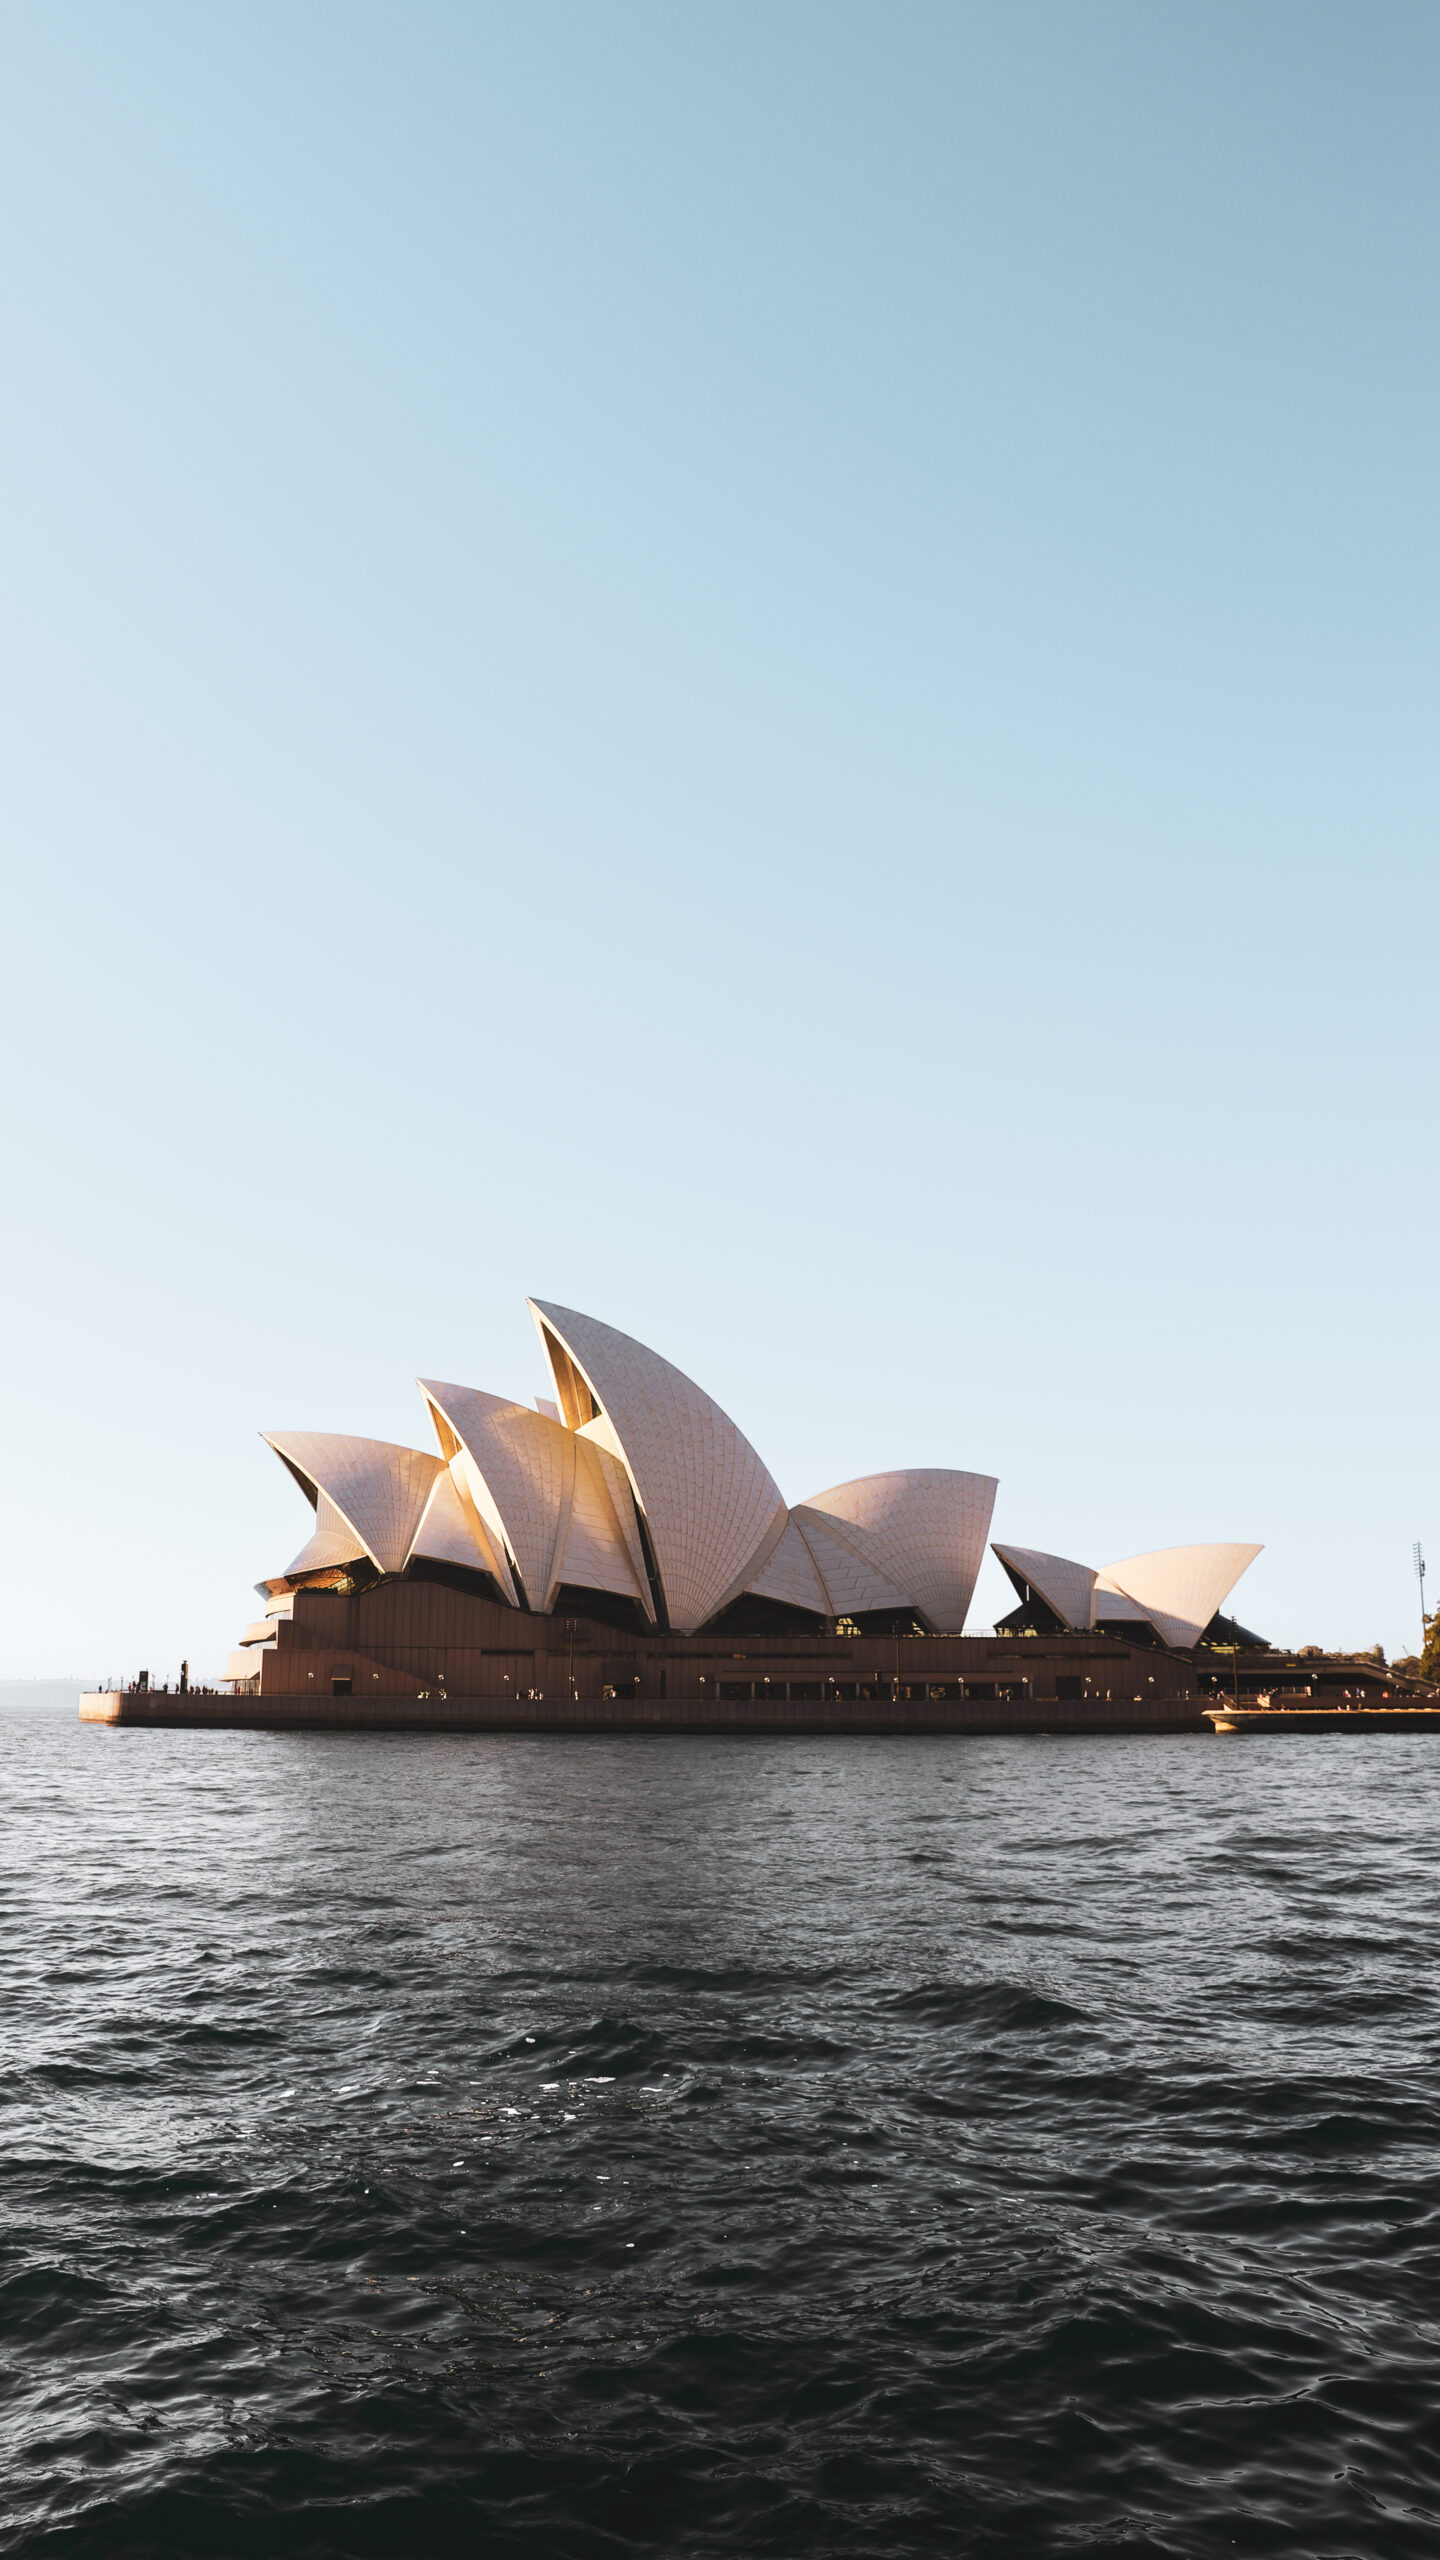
624,1528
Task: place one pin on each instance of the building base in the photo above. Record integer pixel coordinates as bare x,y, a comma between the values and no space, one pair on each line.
168,1711
416,1654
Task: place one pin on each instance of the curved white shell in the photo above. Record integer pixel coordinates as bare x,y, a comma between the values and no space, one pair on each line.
852,1573
1179,1588
792,1574
1065,1586
379,1489
334,1542
709,1501
452,1531
551,1502
926,1528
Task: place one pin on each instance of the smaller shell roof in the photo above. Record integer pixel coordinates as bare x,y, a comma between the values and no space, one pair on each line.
452,1531
602,1550
1179,1588
334,1543
524,1475
379,1488
926,1528
549,1498
791,1574
1112,1609
853,1575
1065,1586
1176,1590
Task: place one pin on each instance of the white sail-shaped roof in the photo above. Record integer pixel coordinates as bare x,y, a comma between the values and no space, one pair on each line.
1179,1588
602,1550
709,1502
854,1578
1112,1609
792,1574
520,1475
334,1542
927,1527
380,1490
1065,1586
635,1482
553,1504
452,1531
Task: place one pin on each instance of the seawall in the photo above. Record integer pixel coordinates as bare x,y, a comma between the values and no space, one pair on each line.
169,1711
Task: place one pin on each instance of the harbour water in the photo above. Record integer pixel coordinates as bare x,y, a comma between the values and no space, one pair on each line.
507,2145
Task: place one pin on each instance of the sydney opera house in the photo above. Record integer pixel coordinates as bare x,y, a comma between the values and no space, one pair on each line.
621,1539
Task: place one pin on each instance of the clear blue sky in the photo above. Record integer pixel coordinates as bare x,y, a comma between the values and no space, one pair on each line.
770,669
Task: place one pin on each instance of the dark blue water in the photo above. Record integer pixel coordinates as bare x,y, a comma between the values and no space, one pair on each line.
425,2145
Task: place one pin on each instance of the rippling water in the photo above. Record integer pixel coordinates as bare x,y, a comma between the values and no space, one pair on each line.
506,2145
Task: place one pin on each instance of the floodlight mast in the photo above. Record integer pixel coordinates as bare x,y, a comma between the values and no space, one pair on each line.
1419,1557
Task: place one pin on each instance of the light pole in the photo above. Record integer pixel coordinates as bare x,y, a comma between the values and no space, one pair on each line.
1418,1554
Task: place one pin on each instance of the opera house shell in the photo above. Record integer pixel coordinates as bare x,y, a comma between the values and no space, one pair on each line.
1174,1593
630,1491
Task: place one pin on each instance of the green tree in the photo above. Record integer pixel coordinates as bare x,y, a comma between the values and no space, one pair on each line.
1424,1665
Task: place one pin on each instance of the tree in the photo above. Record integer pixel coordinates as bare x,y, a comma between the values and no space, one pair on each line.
1424,1665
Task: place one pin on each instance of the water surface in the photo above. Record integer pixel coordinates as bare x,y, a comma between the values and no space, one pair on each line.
584,2146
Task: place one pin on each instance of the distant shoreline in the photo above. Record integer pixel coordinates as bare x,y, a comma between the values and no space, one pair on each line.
41,1693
